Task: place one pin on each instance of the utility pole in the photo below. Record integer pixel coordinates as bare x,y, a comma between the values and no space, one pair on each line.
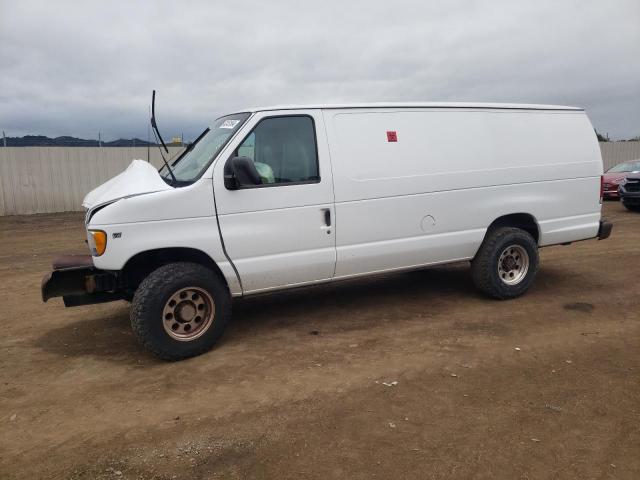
4,139
182,139
99,140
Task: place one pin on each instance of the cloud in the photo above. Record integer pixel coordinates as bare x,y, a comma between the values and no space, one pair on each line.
76,68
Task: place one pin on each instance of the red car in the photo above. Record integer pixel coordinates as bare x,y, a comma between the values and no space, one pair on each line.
612,177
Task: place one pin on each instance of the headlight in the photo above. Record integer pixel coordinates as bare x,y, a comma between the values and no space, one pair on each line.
97,242
623,182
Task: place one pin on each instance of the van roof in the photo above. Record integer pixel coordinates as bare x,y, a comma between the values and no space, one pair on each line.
492,106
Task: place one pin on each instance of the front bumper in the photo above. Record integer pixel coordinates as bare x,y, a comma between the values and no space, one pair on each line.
630,198
78,282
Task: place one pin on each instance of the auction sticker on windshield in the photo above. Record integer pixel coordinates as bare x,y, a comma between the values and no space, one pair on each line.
229,123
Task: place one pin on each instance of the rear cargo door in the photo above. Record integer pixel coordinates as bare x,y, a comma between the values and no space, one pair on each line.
280,233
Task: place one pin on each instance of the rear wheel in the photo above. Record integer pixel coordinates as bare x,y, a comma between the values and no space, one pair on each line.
506,263
180,310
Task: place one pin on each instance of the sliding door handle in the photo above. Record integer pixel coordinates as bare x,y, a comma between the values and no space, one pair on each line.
327,217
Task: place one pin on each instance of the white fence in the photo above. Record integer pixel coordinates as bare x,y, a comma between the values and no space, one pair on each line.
614,153
56,179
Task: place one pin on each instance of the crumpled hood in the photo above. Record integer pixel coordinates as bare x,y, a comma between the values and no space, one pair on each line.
139,177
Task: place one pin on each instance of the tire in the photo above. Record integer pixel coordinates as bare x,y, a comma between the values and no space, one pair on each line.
167,305
506,263
631,208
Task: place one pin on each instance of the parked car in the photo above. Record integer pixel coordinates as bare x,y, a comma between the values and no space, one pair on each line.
282,197
629,191
612,177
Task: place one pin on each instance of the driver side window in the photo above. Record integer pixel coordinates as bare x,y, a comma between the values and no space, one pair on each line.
283,150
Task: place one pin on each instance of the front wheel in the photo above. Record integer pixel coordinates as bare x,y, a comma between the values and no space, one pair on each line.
506,263
180,310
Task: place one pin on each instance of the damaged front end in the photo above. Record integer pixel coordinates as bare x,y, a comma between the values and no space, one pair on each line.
79,282
75,277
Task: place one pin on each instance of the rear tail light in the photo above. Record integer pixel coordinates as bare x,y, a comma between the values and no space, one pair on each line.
601,187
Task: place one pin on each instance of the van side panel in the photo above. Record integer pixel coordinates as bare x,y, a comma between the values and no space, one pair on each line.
430,196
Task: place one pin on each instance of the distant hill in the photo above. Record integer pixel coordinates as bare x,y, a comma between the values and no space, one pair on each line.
42,141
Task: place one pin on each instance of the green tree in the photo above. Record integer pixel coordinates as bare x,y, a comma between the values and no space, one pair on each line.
601,138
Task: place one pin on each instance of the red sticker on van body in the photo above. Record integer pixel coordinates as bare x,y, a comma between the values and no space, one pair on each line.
392,136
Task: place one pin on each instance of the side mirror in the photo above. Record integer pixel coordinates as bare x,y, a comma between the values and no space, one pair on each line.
239,172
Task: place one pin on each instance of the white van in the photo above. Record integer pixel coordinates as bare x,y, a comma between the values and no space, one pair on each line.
281,197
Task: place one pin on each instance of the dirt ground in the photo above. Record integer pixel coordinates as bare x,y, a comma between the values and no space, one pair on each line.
545,386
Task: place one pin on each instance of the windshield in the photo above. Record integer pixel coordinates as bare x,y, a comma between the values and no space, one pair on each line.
633,166
198,156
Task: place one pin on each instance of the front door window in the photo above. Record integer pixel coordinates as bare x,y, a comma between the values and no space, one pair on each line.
283,150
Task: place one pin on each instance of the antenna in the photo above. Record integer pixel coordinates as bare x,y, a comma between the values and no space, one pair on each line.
149,139
153,121
156,133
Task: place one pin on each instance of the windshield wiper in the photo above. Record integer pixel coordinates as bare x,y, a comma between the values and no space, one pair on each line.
190,147
156,133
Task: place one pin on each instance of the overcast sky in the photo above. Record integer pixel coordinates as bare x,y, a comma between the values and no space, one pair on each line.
76,68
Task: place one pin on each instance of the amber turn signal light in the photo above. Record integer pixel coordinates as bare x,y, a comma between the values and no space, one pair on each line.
97,242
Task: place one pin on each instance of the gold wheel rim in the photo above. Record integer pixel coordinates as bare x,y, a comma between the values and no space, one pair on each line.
188,314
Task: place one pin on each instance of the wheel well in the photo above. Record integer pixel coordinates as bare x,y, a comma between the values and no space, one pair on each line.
523,221
142,264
